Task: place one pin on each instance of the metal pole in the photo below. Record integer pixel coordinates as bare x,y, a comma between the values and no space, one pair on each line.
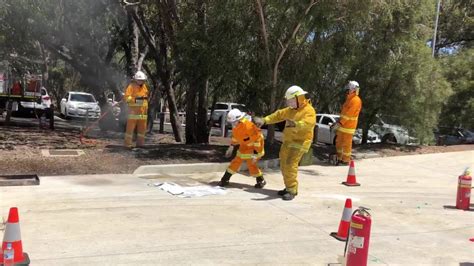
223,125
433,44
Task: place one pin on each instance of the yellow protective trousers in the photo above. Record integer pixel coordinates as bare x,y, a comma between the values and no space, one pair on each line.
140,125
343,146
290,156
251,164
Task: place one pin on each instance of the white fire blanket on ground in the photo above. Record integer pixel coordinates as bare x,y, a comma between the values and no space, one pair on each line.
188,192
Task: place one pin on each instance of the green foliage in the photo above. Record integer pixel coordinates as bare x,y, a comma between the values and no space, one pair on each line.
381,44
458,110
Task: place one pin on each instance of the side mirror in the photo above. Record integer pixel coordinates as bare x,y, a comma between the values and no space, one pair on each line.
330,124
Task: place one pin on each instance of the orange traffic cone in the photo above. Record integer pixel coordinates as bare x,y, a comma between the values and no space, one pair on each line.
13,236
351,176
343,230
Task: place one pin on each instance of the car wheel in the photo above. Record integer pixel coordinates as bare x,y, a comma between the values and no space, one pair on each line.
66,116
389,139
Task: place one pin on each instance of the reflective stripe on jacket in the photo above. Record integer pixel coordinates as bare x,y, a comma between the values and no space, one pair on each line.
300,136
136,98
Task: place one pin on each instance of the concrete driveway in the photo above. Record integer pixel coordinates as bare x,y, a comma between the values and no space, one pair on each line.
120,220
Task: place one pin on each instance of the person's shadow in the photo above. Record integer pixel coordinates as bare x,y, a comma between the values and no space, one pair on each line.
269,193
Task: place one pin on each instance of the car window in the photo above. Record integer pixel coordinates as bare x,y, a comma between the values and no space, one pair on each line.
326,120
43,92
82,98
240,107
220,106
318,117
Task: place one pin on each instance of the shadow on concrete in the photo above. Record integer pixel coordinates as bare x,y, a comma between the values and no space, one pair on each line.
466,264
308,171
271,194
449,207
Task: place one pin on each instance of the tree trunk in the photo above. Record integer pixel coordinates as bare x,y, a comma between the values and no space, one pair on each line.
202,131
133,32
279,56
164,67
191,115
175,124
202,81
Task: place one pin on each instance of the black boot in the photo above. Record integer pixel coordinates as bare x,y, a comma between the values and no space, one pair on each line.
288,196
260,182
282,192
225,179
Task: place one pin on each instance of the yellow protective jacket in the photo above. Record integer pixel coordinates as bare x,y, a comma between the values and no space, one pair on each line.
350,113
250,138
137,100
301,136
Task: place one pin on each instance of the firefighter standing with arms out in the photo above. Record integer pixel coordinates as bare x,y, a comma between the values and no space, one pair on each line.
300,119
250,140
347,124
136,97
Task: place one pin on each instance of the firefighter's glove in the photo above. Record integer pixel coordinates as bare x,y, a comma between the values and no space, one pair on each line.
254,159
335,126
259,122
229,151
290,123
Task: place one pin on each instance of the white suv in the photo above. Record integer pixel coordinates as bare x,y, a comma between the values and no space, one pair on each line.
221,109
78,104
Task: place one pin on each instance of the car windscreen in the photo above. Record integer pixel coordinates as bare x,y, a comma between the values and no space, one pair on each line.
241,107
326,120
82,98
220,106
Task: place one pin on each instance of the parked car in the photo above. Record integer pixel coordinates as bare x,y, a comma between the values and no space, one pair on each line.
78,104
453,136
328,136
32,109
392,133
222,108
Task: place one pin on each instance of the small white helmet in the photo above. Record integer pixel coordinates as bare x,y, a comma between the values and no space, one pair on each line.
352,85
294,91
139,76
235,115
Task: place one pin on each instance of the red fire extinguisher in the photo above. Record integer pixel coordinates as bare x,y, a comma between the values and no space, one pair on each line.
463,198
357,245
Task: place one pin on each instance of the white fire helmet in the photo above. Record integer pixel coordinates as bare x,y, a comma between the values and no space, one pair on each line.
294,91
235,115
139,76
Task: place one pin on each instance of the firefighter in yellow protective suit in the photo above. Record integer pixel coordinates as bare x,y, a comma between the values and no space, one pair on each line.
347,124
300,119
136,97
250,140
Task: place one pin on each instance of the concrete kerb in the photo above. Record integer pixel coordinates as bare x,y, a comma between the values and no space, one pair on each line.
170,169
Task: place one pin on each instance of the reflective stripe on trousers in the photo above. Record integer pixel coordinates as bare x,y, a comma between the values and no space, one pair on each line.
343,146
290,157
346,130
235,164
137,117
140,126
